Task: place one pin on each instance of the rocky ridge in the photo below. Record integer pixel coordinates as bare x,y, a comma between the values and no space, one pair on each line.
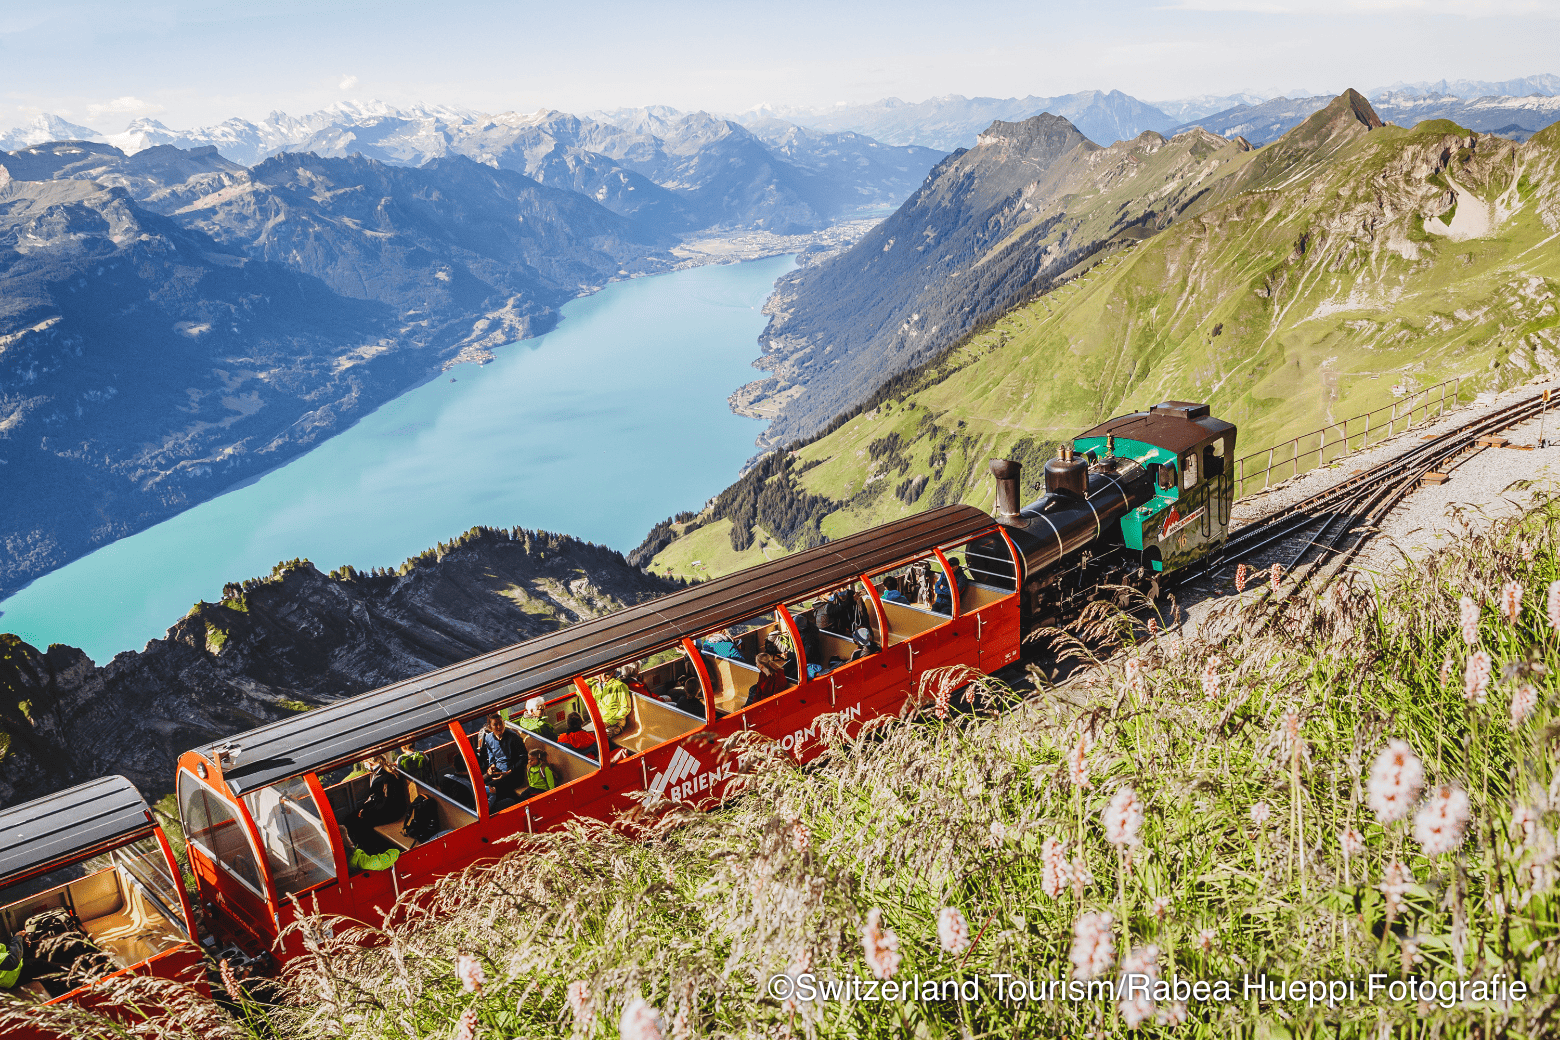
287,642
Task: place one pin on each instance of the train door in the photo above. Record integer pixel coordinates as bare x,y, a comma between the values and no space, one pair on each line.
989,601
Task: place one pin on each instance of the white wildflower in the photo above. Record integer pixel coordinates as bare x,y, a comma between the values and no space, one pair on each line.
1093,948
1396,778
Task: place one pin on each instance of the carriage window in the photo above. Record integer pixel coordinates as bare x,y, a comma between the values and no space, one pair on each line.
747,661
915,597
144,861
650,701
211,825
297,848
1189,471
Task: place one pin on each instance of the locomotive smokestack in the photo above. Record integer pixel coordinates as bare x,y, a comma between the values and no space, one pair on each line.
1006,473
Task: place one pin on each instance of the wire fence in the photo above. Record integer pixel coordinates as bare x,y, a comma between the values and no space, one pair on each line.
1309,450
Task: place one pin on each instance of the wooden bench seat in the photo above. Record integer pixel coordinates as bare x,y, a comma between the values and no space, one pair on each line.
567,764
732,680
652,722
905,621
452,815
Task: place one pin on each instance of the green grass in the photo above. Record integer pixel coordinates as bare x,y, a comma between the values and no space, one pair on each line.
1286,709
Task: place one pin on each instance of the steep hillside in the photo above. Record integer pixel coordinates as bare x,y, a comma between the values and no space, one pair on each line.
990,225
286,643
1343,269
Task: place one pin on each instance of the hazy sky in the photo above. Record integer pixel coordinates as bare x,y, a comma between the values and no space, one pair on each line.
192,63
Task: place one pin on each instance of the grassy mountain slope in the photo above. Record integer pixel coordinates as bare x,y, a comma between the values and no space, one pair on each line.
1339,268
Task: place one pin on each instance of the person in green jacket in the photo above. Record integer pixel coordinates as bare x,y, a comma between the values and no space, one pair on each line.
614,700
539,776
11,965
357,859
531,719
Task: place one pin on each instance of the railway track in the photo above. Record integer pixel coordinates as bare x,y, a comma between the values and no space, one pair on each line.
1356,506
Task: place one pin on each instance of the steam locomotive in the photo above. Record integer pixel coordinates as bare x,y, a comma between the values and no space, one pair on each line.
1128,502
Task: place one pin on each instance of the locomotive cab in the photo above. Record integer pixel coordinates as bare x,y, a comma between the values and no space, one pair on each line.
1186,453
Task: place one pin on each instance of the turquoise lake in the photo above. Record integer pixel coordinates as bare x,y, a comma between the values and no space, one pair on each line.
599,429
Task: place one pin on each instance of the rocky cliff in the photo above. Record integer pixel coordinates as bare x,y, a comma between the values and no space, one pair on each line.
287,642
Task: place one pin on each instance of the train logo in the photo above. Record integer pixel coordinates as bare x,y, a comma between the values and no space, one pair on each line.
1175,522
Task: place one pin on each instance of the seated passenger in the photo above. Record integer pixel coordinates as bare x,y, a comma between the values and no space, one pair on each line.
501,757
357,859
384,803
848,612
577,734
629,673
942,601
721,644
917,585
612,697
771,673
415,764
531,719
865,644
687,695
891,593
812,646
539,776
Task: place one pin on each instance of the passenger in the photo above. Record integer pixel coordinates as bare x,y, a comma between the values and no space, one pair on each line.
357,859
415,764
612,697
850,612
577,735
812,645
629,673
918,584
688,695
722,644
942,602
865,644
539,776
501,757
891,593
384,803
532,721
771,673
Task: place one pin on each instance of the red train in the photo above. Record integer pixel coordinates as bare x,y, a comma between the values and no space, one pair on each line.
264,814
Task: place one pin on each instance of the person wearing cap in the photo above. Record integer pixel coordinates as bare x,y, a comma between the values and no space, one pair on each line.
532,720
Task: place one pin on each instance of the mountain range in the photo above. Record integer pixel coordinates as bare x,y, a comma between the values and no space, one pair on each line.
1515,117
1339,268
173,321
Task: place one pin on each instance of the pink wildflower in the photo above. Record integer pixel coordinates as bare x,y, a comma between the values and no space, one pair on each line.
1441,821
1522,704
682,1027
1078,762
1446,670
952,931
1081,877
1289,732
881,946
1396,779
230,981
1352,840
640,1021
1137,968
1206,940
1135,675
1174,1015
1476,677
1161,908
1275,574
466,1028
1210,678
1525,819
1394,885
469,971
1469,611
801,837
1240,577
794,971
1554,605
1123,819
1511,600
1093,949
1153,624
578,994
1260,813
1054,872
